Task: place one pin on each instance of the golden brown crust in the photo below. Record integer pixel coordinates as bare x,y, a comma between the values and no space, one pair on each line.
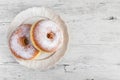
32,36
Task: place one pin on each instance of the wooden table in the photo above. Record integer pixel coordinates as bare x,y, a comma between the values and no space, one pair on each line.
94,46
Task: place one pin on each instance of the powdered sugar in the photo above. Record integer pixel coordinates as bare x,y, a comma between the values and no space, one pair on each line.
41,31
23,51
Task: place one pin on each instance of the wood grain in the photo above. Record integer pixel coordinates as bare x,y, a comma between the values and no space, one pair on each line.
94,46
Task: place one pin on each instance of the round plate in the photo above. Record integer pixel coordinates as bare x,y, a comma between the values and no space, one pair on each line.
31,15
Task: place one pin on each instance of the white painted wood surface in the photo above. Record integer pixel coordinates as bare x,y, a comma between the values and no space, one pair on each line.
94,47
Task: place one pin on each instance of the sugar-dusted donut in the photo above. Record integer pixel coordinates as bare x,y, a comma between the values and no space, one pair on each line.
46,35
20,44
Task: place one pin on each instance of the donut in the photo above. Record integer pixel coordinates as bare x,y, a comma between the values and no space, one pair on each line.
46,35
20,44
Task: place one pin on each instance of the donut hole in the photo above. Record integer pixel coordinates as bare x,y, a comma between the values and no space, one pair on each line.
24,41
50,35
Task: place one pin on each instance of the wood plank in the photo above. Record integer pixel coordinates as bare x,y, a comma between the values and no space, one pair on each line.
94,46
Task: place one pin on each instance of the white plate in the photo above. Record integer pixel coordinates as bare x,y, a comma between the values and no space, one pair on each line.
31,15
